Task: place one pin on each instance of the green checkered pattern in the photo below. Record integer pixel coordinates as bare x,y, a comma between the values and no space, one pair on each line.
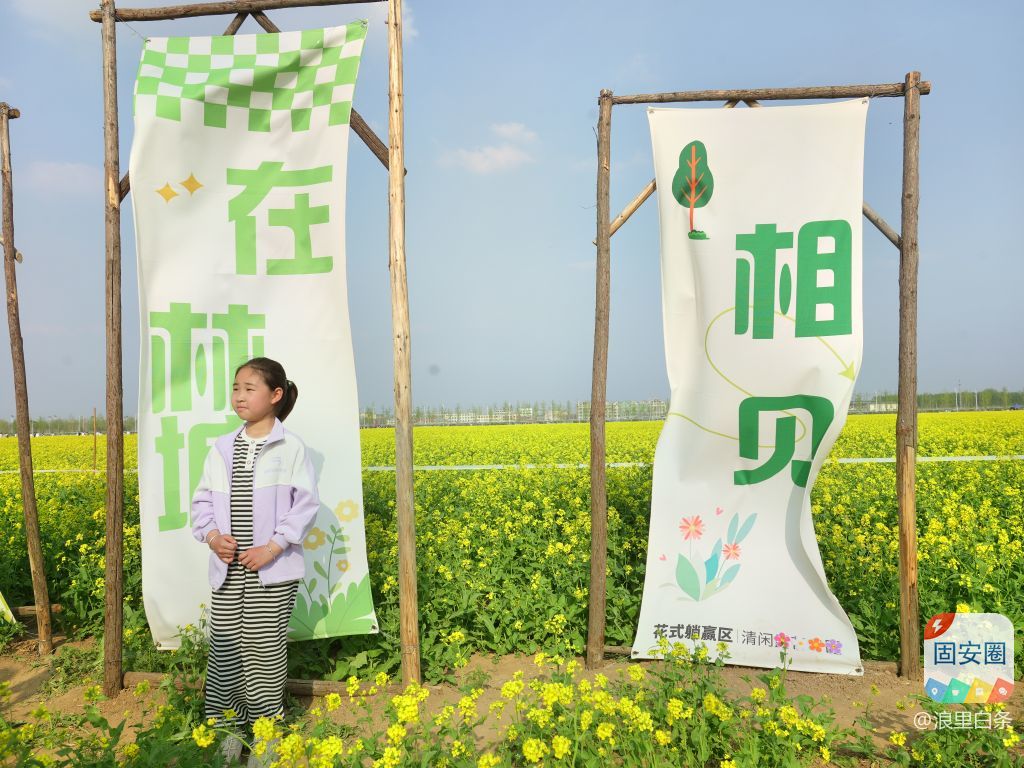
293,79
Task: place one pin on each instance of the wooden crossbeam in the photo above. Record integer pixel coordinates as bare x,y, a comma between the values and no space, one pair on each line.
769,94
216,9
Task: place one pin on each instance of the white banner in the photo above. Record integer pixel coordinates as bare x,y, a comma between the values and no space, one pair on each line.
238,187
761,286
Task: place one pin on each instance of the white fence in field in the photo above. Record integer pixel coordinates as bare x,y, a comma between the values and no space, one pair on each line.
472,467
614,464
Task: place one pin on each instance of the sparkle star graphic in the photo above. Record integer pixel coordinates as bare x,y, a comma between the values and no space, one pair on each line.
167,193
192,184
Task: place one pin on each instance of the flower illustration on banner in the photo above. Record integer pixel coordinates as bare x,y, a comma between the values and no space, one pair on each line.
347,510
833,646
315,539
700,578
692,527
783,640
329,600
816,645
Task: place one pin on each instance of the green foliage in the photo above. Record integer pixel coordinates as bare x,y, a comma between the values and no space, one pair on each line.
9,631
74,666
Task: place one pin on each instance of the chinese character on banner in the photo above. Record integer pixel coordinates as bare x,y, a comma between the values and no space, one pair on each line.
256,184
821,411
193,356
822,247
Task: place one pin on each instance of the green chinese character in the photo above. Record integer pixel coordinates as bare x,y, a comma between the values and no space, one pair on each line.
237,324
256,184
168,447
179,322
822,413
810,262
762,245
187,361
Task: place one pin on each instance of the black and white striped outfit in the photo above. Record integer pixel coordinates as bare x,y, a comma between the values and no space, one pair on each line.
248,662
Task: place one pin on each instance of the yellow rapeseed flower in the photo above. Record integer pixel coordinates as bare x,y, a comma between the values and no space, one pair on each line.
534,750
203,736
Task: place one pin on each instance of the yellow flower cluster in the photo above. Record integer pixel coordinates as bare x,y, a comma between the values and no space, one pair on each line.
716,707
407,704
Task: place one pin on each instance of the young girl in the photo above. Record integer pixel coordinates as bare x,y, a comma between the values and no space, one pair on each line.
255,504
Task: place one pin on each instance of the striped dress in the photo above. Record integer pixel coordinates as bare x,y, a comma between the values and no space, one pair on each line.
248,663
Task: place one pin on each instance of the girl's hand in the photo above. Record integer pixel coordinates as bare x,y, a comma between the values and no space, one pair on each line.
255,558
224,546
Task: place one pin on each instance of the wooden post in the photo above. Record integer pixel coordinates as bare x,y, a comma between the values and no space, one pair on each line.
906,419
408,601
28,489
113,619
598,394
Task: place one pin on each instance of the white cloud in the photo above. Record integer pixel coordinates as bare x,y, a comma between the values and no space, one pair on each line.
513,132
501,157
63,179
487,159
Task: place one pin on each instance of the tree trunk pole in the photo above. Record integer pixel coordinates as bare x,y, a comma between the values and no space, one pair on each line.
113,619
408,602
598,394
906,419
28,489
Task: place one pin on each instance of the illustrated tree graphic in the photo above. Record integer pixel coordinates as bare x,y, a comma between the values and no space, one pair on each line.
693,184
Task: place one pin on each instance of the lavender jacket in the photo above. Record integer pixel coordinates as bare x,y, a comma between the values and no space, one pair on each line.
284,502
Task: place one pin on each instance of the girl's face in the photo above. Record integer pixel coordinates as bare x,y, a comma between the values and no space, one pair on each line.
251,398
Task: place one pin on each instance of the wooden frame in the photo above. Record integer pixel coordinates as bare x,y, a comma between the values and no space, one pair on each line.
41,609
392,156
911,89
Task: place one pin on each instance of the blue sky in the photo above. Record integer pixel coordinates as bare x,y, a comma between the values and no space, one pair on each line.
501,104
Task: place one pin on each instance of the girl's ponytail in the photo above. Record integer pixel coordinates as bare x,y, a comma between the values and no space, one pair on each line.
287,402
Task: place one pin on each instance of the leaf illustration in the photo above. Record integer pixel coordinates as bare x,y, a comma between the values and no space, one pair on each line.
733,525
711,564
302,619
693,184
351,611
686,578
747,525
730,574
